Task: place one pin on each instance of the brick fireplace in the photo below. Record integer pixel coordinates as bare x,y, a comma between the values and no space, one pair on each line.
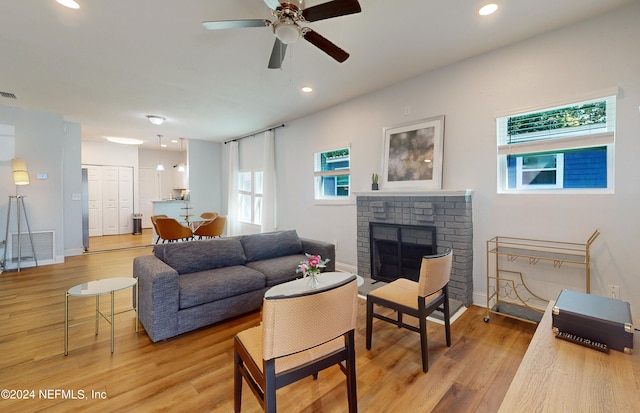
447,213
396,250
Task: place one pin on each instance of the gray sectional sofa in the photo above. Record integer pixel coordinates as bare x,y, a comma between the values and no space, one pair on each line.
187,285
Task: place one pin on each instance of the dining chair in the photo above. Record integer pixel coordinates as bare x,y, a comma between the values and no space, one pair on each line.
171,230
299,336
155,225
416,299
211,229
208,216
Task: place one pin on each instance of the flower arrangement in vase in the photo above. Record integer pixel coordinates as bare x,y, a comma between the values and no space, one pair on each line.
311,267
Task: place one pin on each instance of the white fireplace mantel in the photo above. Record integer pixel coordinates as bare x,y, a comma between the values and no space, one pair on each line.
432,192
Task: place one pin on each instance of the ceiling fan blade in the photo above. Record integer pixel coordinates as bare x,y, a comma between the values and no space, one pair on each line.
277,54
325,45
272,4
235,24
331,9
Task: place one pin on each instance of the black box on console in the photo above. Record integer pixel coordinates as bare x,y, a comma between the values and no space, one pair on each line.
602,319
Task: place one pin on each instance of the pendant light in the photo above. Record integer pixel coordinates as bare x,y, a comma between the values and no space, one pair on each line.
160,167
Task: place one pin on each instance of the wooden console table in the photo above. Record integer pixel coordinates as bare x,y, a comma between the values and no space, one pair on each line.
560,376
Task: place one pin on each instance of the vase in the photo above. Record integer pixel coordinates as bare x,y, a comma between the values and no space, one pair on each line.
312,281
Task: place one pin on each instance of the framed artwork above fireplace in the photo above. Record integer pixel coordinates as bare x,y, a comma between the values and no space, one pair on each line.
413,155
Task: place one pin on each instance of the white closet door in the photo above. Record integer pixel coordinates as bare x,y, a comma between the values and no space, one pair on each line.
125,199
110,186
94,187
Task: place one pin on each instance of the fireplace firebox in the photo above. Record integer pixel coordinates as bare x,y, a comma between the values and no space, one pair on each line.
397,250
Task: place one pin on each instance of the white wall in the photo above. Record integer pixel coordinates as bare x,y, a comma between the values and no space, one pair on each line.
41,138
72,185
568,63
149,158
205,177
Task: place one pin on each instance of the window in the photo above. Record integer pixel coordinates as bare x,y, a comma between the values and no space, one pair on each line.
566,148
331,171
250,197
539,171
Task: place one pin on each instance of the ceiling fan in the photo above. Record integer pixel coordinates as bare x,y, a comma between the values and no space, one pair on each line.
289,15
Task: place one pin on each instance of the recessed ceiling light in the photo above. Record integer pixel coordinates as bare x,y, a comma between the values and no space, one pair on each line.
156,120
69,3
488,9
307,89
124,141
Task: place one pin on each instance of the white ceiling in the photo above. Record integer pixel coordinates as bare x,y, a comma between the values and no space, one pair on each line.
112,62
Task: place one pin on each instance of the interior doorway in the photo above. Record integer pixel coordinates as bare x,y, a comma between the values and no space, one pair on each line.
109,207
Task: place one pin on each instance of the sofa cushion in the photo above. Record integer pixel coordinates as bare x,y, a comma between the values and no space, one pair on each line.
195,256
212,285
278,270
271,245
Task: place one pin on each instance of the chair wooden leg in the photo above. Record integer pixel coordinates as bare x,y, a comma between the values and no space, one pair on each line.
447,317
237,383
424,345
369,322
352,395
270,387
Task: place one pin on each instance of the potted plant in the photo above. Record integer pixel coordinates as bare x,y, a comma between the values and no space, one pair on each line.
374,182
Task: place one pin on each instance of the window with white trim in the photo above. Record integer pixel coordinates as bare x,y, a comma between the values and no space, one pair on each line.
331,174
540,171
567,148
250,197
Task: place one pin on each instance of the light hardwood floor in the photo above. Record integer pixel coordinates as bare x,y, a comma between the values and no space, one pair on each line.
119,242
193,372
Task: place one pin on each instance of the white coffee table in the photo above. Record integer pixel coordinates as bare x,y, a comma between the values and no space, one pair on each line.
97,288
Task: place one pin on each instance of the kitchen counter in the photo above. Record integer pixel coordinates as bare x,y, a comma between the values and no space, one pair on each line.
173,208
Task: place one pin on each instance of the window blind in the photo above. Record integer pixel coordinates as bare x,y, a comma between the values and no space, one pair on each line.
583,124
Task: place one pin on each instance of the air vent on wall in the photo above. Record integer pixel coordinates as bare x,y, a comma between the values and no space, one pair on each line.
8,95
43,244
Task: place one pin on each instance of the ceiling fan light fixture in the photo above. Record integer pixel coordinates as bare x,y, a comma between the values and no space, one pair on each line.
287,32
156,120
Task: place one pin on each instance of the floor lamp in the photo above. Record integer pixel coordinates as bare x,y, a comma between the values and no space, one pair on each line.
20,177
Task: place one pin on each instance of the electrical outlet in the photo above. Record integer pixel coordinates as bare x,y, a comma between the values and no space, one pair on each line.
614,291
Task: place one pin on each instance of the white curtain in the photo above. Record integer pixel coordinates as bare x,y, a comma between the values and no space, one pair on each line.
269,183
233,224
